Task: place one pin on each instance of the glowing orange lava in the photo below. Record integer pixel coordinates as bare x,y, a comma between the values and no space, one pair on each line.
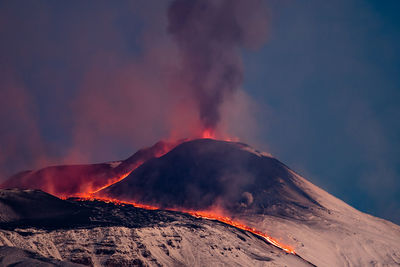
208,133
209,215
162,149
211,134
112,181
227,220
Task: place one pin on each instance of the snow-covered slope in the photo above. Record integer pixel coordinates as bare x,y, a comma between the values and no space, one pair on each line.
338,235
16,257
250,186
262,192
105,234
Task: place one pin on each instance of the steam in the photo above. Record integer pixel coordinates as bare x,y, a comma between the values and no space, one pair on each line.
209,35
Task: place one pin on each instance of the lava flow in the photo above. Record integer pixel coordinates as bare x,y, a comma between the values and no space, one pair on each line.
227,220
209,215
160,149
89,184
113,181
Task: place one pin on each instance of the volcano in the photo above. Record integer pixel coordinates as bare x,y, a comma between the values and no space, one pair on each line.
200,174
192,202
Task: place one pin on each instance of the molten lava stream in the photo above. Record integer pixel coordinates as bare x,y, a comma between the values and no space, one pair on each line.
204,215
111,182
209,134
227,220
198,214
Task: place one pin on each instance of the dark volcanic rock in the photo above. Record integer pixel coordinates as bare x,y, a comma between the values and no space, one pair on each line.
256,189
121,235
35,208
33,205
201,173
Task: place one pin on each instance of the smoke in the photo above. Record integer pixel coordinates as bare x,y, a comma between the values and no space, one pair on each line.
83,83
209,35
203,174
20,139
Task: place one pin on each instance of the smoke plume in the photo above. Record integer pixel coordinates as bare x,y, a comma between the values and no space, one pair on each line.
209,35
82,83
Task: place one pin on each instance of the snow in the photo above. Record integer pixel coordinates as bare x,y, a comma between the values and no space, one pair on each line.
322,229
338,235
104,234
12,256
171,244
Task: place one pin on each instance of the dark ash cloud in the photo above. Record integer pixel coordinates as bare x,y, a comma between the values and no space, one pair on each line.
209,35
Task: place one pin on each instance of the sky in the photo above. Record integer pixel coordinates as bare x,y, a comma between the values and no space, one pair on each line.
94,81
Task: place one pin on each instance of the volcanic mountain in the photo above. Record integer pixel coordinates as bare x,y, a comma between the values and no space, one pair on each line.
200,174
205,202
69,180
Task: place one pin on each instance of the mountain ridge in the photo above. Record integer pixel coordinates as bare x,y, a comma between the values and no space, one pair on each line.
233,179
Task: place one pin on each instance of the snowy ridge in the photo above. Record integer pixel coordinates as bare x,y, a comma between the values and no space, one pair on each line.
113,235
337,236
251,186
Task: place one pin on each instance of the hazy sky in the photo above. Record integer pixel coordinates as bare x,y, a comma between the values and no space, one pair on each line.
94,81
330,79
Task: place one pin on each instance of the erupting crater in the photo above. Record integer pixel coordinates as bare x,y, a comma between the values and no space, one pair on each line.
190,176
225,181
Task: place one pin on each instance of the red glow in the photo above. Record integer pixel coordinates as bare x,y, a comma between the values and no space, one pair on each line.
85,186
212,134
113,181
210,215
89,184
85,180
161,150
208,133
227,220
